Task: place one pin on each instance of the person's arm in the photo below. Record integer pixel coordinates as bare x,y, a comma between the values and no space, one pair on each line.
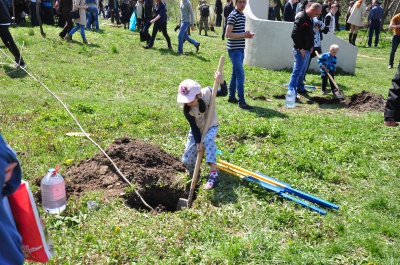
393,26
229,34
193,126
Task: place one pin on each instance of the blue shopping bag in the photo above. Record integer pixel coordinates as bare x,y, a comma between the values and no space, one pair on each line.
132,22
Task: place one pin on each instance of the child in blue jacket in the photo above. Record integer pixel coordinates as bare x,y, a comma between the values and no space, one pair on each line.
327,63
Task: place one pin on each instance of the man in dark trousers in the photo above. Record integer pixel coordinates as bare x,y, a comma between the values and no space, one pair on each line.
65,8
5,22
374,22
303,42
392,109
218,12
147,16
289,11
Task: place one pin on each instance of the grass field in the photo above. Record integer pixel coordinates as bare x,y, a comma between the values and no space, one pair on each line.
115,88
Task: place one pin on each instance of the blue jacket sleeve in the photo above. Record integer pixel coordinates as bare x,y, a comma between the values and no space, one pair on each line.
193,126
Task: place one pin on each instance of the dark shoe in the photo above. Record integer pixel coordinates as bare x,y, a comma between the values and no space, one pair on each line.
205,34
62,36
179,53
244,106
169,48
212,182
390,66
85,42
233,100
323,92
303,92
68,38
147,47
197,47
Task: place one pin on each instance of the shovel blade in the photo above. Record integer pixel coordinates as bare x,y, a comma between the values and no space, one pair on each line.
182,203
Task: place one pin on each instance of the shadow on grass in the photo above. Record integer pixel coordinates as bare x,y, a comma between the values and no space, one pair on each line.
267,113
14,72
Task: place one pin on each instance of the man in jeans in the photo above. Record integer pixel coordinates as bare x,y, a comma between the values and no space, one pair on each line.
303,42
395,26
187,19
374,22
236,35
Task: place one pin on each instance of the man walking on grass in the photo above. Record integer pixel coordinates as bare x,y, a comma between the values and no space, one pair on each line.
236,35
395,26
374,22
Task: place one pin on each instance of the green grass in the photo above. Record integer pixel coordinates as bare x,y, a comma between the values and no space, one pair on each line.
116,88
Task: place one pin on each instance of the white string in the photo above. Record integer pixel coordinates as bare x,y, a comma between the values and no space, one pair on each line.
80,127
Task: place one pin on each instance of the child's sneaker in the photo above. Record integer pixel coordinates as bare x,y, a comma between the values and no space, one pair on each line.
212,181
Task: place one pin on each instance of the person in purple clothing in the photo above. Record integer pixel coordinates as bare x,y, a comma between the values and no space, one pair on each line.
10,179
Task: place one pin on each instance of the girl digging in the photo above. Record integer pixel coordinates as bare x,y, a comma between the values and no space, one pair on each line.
196,106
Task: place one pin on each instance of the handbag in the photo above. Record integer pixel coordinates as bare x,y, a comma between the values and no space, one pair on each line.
75,14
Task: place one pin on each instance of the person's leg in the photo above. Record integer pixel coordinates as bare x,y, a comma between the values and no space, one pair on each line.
297,70
370,33
395,44
8,41
95,15
88,19
377,32
189,39
332,73
73,30
324,78
82,28
190,154
182,35
304,64
211,157
355,32
156,27
165,33
201,25
232,83
209,145
224,30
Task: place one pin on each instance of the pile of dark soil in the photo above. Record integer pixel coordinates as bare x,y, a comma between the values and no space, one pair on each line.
156,175
364,101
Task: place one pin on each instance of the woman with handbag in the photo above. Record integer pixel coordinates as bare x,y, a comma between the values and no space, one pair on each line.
78,5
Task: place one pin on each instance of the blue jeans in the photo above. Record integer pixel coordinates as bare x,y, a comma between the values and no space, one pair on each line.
92,14
78,26
395,44
300,65
184,36
237,78
374,26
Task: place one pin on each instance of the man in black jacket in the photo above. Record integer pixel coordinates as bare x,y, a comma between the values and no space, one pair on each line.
65,8
392,109
5,22
147,16
289,11
303,42
218,11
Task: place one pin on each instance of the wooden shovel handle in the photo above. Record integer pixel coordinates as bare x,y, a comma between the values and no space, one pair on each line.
205,130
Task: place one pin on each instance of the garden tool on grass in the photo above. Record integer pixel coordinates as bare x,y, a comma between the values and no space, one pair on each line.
281,188
188,202
336,92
